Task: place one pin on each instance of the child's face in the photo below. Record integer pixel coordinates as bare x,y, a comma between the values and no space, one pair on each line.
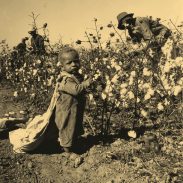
70,62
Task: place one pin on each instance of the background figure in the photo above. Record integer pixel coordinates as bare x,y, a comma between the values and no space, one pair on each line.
37,42
143,28
14,58
21,47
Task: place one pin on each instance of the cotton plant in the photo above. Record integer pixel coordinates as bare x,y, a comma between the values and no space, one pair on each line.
121,71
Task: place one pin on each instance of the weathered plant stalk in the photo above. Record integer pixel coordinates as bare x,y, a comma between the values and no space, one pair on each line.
98,40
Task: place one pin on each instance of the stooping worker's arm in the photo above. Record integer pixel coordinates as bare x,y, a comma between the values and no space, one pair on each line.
69,86
163,34
144,26
160,31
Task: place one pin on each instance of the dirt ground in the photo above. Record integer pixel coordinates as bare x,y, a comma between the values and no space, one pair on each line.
120,160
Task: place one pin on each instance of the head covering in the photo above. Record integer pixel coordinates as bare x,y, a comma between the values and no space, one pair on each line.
25,39
123,16
33,31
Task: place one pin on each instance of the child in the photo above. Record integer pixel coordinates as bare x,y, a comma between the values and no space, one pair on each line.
71,103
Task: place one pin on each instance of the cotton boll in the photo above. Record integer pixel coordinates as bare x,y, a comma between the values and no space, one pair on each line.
180,82
167,67
96,59
25,90
96,76
108,82
113,63
138,100
146,85
132,134
147,97
131,80
90,97
146,72
177,90
110,94
133,74
106,77
15,94
38,79
123,91
32,95
117,103
108,89
12,113
166,102
104,96
58,64
167,48
6,115
22,112
179,60
38,61
160,106
115,79
131,95
143,113
117,67
80,71
105,59
150,92
85,76
123,85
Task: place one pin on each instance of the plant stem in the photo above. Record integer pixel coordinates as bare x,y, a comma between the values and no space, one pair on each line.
89,40
103,113
109,119
175,27
96,29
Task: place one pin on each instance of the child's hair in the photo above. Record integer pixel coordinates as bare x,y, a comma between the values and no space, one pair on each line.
67,50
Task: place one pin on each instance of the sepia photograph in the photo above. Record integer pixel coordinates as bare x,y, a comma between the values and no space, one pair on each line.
91,91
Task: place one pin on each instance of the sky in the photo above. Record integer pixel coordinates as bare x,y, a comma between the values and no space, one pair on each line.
69,19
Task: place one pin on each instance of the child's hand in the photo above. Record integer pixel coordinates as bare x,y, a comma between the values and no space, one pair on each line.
88,82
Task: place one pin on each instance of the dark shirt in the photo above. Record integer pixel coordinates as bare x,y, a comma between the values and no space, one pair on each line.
21,48
37,43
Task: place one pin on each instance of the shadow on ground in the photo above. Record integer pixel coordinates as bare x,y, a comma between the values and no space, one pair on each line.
83,144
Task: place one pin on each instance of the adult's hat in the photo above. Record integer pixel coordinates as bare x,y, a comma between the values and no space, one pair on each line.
25,39
33,31
123,16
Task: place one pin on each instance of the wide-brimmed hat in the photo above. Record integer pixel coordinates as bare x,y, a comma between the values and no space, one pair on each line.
123,16
33,31
25,39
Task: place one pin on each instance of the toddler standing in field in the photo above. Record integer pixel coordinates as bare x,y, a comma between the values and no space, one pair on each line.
71,103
